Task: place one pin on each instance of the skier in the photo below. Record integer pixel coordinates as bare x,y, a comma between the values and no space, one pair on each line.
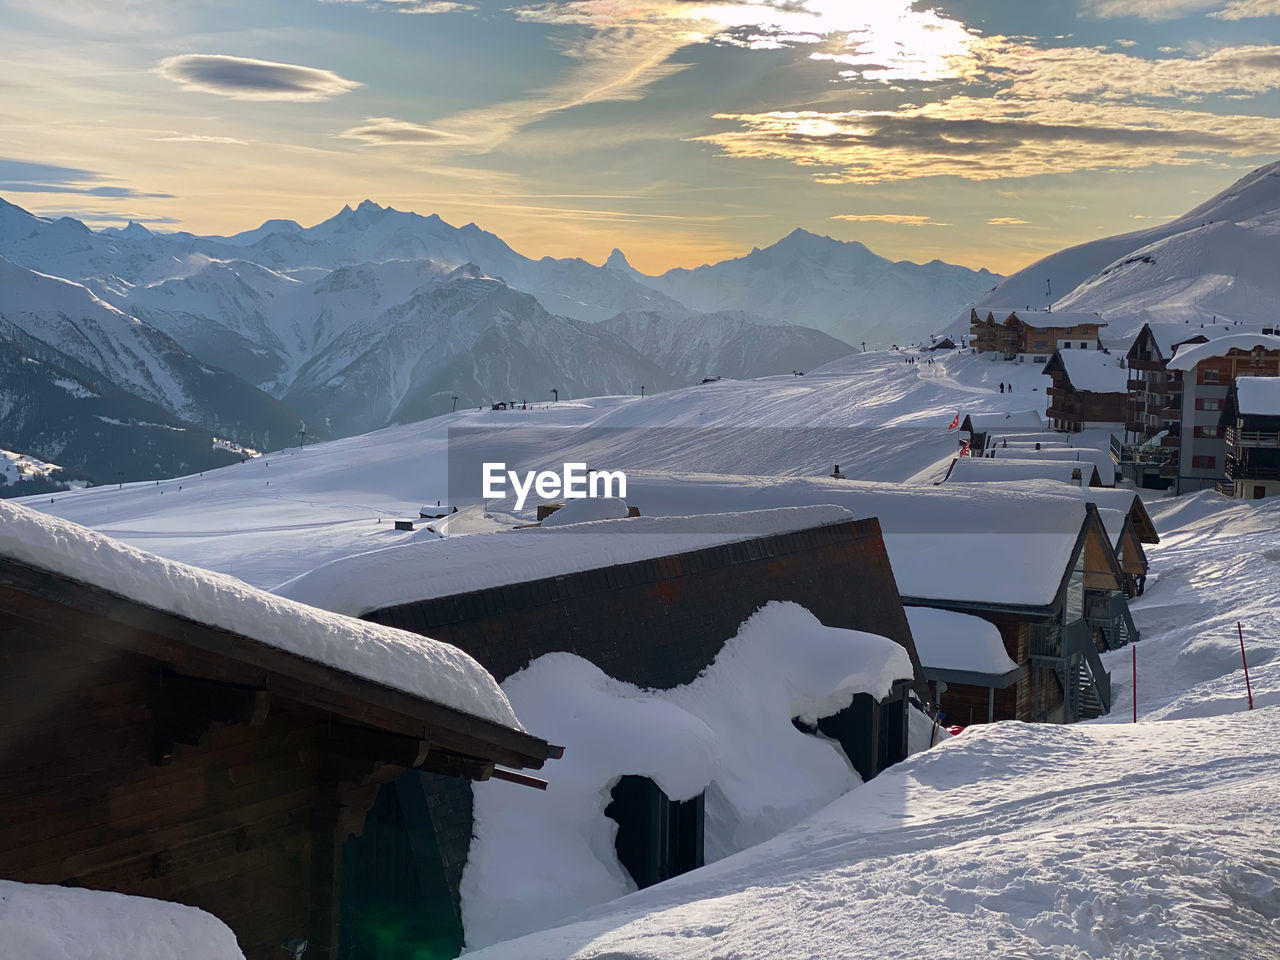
1002,388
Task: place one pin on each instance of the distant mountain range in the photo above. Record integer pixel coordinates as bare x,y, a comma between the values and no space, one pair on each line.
378,316
1219,260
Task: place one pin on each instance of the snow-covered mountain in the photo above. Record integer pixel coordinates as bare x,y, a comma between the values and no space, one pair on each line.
729,344
470,337
78,329
841,288
1217,260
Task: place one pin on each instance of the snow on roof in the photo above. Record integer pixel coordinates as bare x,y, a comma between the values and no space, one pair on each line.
1106,466
428,569
537,860
958,641
48,922
1012,420
1094,371
985,470
586,509
1187,357
978,542
1258,396
417,665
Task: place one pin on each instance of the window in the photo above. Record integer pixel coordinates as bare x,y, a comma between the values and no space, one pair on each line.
1084,345
1210,376
1040,359
657,838
1208,403
1209,433
1204,463
1066,345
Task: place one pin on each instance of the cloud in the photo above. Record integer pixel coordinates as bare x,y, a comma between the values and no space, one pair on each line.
198,138
1007,221
900,219
1248,10
23,176
1086,71
1150,10
413,6
988,138
1126,43
381,131
240,78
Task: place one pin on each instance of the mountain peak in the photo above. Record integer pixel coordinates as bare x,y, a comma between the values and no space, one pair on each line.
135,229
368,206
617,260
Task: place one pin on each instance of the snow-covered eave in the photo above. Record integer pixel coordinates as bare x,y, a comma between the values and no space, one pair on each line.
140,627
974,678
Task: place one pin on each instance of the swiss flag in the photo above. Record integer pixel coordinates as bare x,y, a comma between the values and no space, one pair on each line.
955,423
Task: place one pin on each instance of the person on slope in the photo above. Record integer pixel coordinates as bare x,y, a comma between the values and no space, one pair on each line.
1002,388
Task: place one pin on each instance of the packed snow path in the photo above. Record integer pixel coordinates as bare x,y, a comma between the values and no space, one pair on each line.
1010,840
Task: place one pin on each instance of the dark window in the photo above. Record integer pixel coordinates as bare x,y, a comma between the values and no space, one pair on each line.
1211,376
1204,463
1208,403
1066,345
1210,433
657,838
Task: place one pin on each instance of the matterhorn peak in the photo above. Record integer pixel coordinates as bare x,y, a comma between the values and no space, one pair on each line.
617,260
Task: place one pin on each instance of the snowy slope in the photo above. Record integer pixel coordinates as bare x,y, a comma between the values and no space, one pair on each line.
135,356
1011,840
1217,259
841,288
730,344
272,519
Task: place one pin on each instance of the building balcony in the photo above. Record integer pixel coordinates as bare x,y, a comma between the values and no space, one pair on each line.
1237,469
1251,438
1141,364
1136,386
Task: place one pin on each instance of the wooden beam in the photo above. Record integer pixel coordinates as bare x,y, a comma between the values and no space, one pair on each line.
523,779
184,709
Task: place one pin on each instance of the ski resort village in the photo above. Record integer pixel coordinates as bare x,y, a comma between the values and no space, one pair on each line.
373,587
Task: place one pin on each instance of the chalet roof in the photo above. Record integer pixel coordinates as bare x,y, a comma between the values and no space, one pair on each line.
1106,466
979,543
1187,358
1258,396
946,640
986,470
419,666
429,569
1008,421
1091,371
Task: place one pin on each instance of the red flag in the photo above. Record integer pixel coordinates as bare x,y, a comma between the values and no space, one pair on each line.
964,448
955,423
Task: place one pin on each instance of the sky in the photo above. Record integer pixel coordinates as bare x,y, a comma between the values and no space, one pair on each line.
982,132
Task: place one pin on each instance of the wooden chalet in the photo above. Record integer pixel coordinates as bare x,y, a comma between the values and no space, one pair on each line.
1250,426
1033,335
151,749
983,428
1020,556
1089,390
644,614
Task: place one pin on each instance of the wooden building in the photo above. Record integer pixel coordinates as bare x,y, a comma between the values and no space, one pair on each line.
1250,426
642,612
175,734
984,429
1032,336
1090,390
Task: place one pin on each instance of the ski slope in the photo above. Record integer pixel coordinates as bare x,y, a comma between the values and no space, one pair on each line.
269,519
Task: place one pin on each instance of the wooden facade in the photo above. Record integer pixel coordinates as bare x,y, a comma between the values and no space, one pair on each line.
1071,408
148,754
1036,336
1059,678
